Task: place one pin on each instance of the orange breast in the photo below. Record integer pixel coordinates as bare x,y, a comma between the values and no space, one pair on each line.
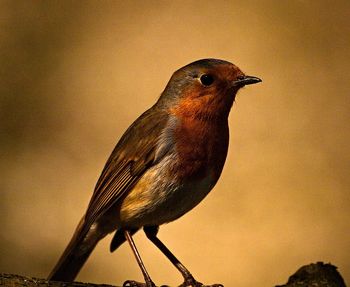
201,141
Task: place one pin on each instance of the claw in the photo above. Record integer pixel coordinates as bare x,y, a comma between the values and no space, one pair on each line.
187,283
198,284
191,282
132,283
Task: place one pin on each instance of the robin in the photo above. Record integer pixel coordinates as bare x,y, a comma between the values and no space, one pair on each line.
166,162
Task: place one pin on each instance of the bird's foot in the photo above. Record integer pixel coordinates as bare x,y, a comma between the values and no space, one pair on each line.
132,283
191,282
198,284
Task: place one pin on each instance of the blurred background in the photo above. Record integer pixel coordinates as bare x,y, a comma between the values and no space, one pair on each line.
74,76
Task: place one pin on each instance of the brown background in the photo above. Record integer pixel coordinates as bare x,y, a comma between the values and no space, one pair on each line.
75,74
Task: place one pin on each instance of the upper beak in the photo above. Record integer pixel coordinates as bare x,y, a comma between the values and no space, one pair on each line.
246,80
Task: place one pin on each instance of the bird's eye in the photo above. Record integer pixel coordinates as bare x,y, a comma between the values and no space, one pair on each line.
206,79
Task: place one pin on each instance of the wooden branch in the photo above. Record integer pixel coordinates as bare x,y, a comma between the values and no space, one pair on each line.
315,274
11,280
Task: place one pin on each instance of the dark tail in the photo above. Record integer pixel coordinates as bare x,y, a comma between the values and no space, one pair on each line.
74,256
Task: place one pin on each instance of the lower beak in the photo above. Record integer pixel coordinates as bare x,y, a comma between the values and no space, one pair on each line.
247,80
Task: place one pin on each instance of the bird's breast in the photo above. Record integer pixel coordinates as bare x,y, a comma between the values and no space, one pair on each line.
201,146
191,157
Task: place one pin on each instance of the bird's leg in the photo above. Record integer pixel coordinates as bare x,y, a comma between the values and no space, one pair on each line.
131,283
151,233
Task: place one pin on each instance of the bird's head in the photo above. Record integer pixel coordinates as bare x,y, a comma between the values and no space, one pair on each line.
205,87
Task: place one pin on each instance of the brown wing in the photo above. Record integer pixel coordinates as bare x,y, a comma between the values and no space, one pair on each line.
133,155
136,151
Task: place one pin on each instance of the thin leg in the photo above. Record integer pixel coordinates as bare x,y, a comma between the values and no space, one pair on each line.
149,282
119,238
151,233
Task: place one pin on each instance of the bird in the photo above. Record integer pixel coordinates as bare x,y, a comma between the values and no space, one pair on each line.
163,166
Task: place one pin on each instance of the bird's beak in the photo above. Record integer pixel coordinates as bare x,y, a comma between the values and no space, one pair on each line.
246,80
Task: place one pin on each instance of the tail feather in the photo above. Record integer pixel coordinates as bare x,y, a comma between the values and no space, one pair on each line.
74,256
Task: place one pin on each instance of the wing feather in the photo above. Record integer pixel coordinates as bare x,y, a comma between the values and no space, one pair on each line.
132,156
